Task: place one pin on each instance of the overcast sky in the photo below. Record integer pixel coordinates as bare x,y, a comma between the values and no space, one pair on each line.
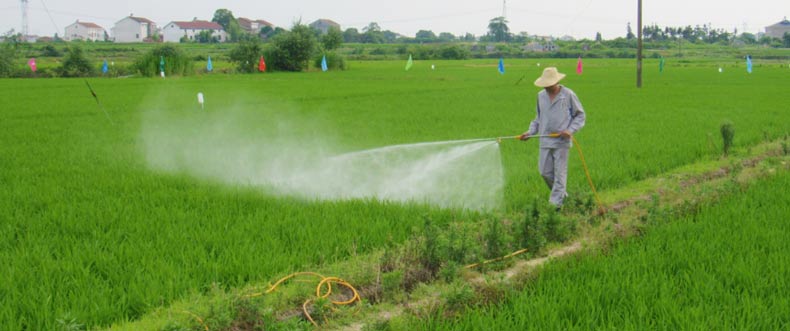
577,18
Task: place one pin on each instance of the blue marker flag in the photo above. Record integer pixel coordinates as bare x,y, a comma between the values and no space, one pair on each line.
501,66
323,64
104,67
749,63
209,66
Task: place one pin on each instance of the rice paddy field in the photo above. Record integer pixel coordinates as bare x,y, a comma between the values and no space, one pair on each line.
111,210
723,268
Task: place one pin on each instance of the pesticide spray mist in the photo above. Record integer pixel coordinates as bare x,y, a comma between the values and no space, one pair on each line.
288,154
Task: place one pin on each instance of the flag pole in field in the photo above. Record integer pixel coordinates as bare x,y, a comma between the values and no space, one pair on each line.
639,45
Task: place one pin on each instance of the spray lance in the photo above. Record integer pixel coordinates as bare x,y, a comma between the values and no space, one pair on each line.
550,135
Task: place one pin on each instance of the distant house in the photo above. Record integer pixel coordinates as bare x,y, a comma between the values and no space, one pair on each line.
540,47
778,30
253,26
174,31
133,29
323,25
84,31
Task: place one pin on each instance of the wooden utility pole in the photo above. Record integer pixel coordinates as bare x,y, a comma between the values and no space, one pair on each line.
639,45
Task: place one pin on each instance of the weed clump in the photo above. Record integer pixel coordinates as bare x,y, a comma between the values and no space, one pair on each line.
727,134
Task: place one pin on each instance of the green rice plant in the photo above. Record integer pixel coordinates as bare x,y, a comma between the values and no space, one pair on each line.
83,212
430,255
721,267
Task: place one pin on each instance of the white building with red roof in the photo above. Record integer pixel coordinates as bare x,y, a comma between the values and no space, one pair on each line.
174,31
84,31
253,26
133,30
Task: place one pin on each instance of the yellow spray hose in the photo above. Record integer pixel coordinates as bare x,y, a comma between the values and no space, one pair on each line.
320,292
601,209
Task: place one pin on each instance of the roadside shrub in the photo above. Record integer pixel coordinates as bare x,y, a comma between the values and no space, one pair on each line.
292,51
176,62
7,59
334,61
727,134
246,55
50,51
75,64
453,52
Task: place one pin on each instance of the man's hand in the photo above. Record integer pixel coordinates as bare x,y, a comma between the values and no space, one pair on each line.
565,134
524,136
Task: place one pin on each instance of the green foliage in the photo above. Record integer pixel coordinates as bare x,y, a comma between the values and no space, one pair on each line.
224,17
76,64
50,51
494,240
8,58
206,36
332,39
334,61
531,232
246,55
85,221
498,30
430,256
177,63
459,295
292,51
696,271
727,134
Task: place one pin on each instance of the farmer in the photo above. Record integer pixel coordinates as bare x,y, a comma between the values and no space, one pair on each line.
559,116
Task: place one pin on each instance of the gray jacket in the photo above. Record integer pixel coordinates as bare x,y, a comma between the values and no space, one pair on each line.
564,113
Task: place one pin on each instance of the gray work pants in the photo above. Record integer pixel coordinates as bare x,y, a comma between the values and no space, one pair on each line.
553,165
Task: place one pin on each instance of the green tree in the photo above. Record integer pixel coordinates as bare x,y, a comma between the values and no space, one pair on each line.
629,33
351,35
75,64
8,56
292,51
224,17
389,36
425,36
332,39
446,36
786,40
498,29
372,34
246,54
598,37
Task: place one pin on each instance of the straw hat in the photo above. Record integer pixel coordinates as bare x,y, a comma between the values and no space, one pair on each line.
550,77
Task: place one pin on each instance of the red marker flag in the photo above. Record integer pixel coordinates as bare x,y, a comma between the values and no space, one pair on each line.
32,64
261,65
579,66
